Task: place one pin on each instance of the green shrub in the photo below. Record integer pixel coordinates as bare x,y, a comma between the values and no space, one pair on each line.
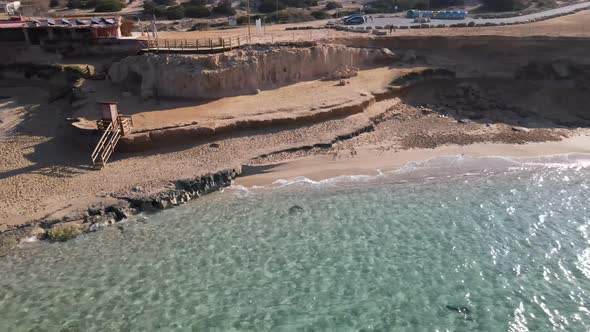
332,5
73,4
165,2
53,3
196,11
224,8
388,6
150,8
104,6
85,4
63,233
503,5
89,4
295,15
320,15
175,12
269,6
300,3
199,26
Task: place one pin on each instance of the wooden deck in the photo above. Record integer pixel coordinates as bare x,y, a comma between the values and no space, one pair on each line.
212,45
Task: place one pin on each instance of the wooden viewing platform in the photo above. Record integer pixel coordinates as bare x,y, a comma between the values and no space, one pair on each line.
210,45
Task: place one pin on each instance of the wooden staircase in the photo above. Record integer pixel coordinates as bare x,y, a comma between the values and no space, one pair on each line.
106,146
113,131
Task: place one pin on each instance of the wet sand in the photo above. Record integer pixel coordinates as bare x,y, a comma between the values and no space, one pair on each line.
371,161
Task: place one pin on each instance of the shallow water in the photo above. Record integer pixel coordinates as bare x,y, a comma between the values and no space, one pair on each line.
507,249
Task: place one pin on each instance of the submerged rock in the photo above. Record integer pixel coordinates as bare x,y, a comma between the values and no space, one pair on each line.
185,190
464,310
295,209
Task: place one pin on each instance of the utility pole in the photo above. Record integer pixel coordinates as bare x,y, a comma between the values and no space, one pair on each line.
248,13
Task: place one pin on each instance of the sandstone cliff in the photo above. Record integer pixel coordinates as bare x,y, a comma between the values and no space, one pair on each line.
240,71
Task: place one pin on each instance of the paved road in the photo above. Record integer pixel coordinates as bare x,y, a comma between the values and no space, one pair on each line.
401,21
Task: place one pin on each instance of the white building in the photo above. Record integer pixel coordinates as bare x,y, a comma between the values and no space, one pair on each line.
9,7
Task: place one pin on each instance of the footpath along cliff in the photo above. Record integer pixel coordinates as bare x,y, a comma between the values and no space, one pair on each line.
241,71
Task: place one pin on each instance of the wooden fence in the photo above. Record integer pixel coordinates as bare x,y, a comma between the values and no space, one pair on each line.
211,44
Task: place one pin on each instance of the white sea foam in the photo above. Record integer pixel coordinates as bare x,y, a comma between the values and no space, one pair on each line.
439,167
30,239
329,181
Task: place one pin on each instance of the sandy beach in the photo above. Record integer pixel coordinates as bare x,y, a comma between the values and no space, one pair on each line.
372,160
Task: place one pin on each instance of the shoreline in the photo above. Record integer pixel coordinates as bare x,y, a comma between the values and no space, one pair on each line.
366,162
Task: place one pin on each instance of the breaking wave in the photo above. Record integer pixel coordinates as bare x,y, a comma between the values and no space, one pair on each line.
437,168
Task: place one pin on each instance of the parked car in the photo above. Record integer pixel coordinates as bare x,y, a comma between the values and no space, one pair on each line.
440,15
354,20
451,15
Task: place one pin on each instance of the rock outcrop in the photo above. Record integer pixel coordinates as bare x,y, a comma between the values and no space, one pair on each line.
97,218
241,71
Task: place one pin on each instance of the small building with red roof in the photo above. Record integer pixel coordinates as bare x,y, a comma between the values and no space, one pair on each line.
38,31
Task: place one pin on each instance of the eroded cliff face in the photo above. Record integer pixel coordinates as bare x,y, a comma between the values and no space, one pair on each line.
240,71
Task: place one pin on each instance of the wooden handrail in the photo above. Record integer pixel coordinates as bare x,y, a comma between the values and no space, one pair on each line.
106,144
101,142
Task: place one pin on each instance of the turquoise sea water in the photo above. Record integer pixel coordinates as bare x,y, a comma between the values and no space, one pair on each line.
451,244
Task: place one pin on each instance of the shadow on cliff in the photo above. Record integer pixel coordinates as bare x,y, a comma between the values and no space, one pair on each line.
515,102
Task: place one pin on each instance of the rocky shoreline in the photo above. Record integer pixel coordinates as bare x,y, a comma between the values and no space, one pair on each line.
102,216
98,217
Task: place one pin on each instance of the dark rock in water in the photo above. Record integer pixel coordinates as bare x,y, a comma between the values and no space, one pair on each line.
185,190
464,310
98,217
295,209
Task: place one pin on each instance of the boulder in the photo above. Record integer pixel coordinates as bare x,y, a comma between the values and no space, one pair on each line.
296,209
